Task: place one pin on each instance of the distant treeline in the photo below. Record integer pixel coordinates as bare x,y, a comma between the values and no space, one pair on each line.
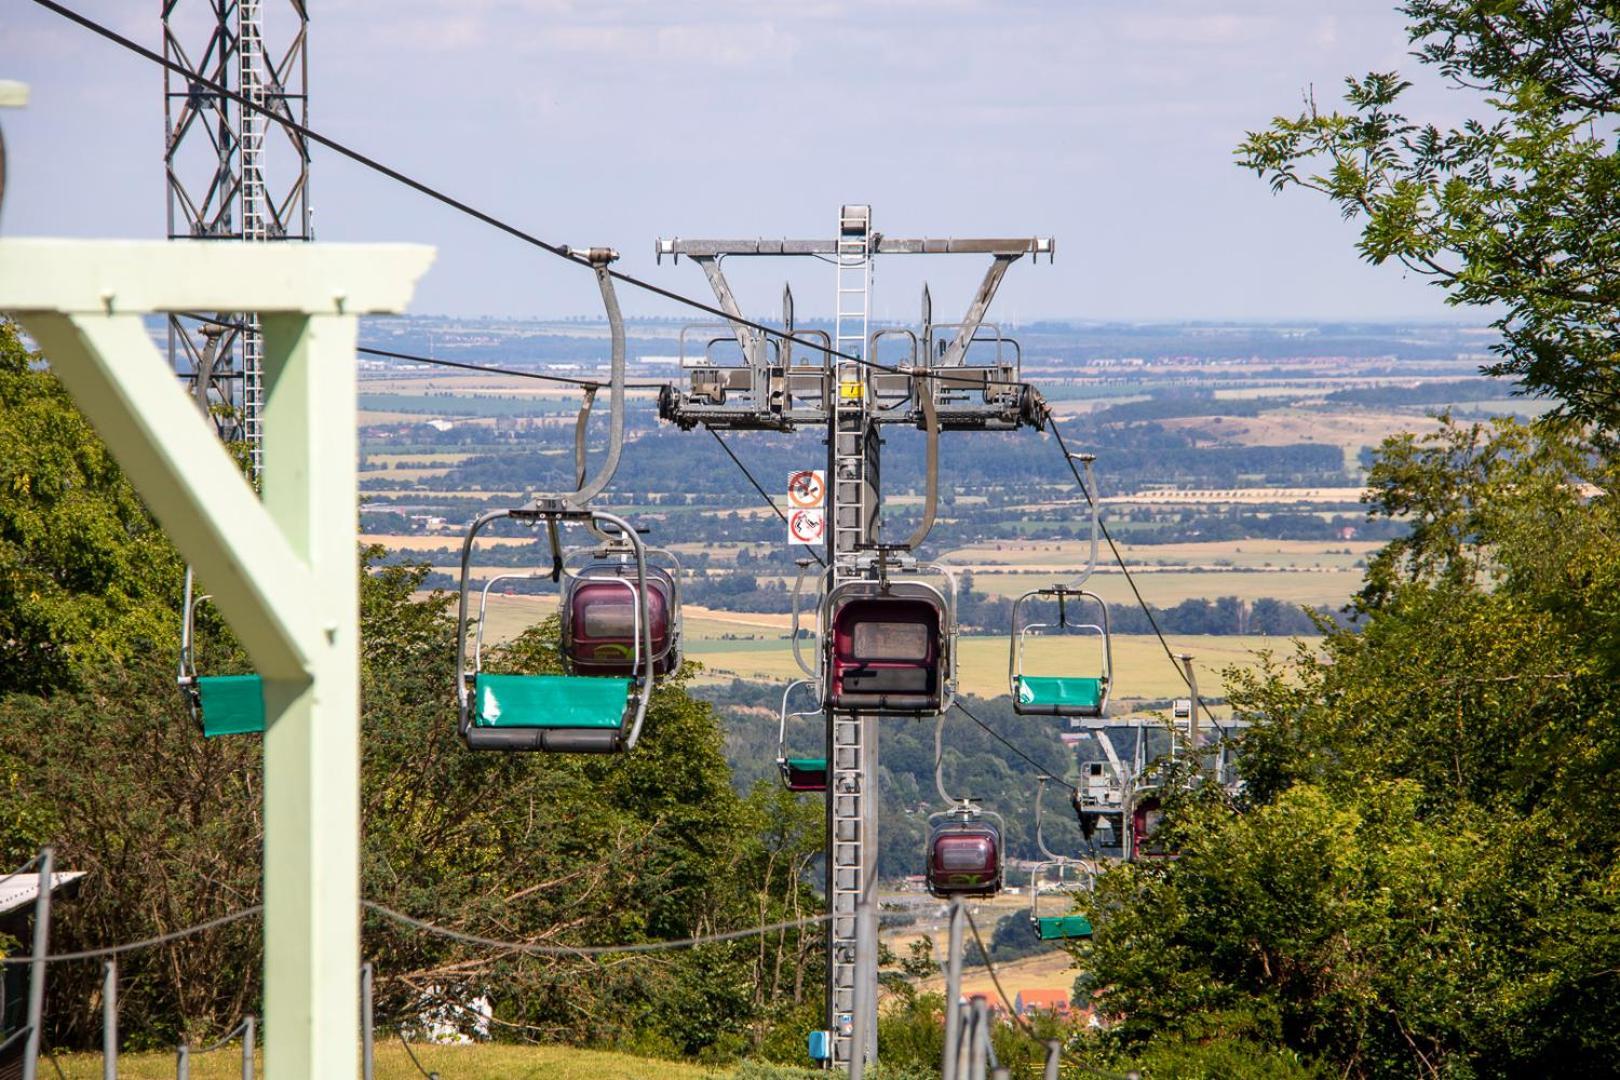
1169,404
1428,393
1129,457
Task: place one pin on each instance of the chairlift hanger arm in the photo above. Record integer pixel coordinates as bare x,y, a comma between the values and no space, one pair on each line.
1040,840
798,588
931,483
939,761
1095,501
600,259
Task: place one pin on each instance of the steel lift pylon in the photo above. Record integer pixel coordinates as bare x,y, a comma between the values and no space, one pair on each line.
972,374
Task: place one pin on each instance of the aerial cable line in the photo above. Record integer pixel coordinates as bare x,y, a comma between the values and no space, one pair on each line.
777,510
145,943
1009,745
1130,580
454,935
592,950
562,251
589,384
592,384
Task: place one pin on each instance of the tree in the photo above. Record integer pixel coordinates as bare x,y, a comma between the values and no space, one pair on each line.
1518,211
1420,877
86,577
99,757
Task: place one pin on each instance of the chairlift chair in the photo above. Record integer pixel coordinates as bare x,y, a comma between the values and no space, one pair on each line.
1066,694
799,773
219,704
1079,688
1146,817
890,645
609,662
1050,927
576,711
965,850
599,619
1053,927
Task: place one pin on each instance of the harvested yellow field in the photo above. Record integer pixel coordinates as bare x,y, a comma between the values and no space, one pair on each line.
368,417
1141,670
1348,428
1069,555
1235,496
1167,588
448,457
435,541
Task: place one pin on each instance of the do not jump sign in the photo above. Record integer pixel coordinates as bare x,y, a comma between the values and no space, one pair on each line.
806,526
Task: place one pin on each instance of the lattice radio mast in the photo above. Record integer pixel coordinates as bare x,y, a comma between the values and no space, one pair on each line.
227,179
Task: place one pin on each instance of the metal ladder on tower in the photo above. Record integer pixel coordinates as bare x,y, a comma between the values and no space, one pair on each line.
251,60
850,504
850,528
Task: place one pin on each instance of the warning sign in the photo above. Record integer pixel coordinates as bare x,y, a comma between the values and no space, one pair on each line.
806,526
807,489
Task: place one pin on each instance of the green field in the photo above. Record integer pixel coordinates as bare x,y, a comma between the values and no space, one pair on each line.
487,1061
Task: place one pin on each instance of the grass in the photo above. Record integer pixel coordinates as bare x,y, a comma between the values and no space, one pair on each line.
487,1061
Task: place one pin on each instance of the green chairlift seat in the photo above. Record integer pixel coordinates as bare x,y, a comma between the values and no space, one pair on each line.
231,704
805,774
1083,696
549,701
1062,927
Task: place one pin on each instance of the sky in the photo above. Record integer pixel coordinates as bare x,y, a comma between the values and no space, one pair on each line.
1107,124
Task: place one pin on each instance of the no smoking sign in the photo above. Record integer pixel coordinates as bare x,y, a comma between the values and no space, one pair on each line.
807,489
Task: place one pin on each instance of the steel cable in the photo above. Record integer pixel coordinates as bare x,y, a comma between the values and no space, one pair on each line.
590,950
1004,742
562,251
1130,580
777,510
145,943
595,384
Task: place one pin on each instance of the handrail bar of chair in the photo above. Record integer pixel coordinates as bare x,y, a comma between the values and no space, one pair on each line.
462,701
483,604
781,731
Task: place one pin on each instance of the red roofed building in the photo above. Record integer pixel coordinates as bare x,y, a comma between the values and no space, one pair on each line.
1055,1002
